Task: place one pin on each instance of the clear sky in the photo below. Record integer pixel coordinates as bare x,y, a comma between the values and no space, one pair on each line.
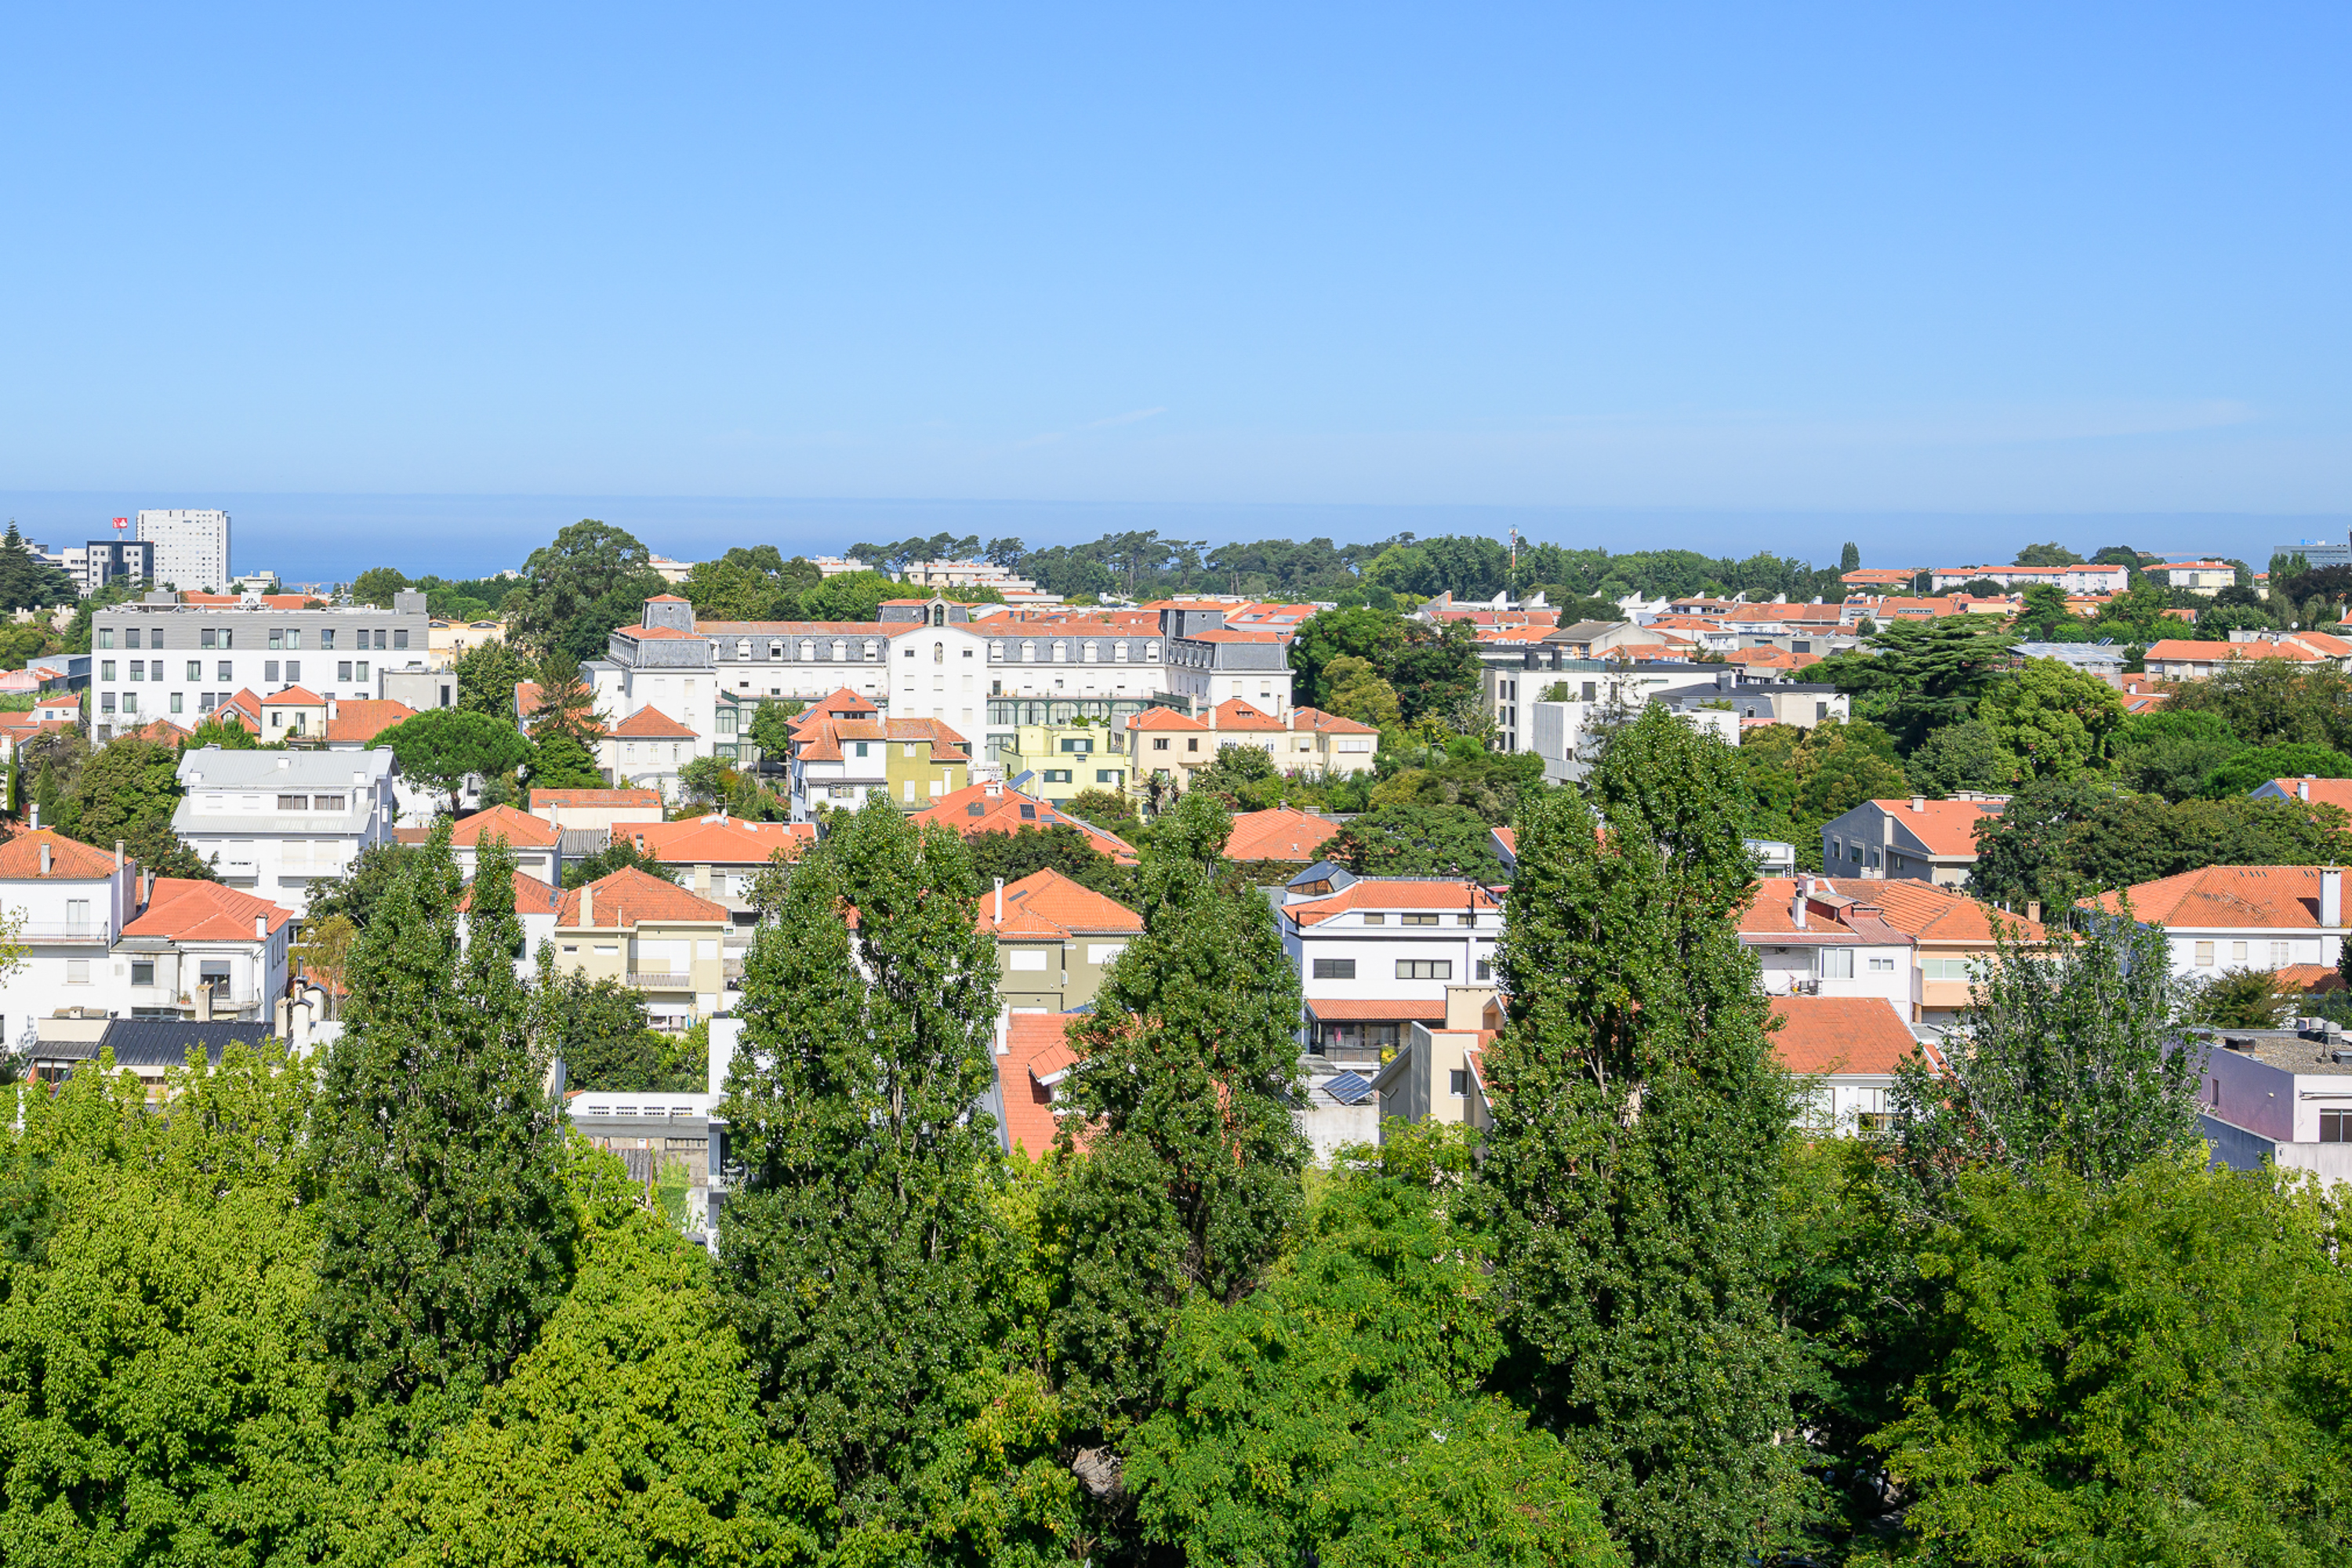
1871,267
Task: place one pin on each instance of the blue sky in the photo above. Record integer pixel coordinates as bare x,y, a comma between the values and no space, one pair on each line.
1638,275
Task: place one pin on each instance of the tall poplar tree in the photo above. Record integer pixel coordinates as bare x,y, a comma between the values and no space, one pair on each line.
1632,1166
1186,1083
447,1236
851,1257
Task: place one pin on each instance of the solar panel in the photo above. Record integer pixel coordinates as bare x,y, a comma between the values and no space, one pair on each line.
1348,1088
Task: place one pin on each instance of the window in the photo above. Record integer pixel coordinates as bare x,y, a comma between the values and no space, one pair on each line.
1159,743
399,638
293,670
362,676
106,698
1837,963
204,638
1335,969
1424,969
2237,952
195,669
326,803
1058,775
294,638
1080,745
1881,966
2335,1127
2278,955
1106,775
142,972
175,701
327,637
106,637
1465,919
1485,970
138,672
276,637
131,703
77,915
2204,955
1376,920
77,971
343,669
130,637
106,669
293,802
1944,968
1458,1081
1419,921
270,671
1193,744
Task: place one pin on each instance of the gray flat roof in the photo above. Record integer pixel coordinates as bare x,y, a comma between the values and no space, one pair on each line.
215,768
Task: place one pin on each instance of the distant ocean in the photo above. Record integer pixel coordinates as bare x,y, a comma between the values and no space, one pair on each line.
332,537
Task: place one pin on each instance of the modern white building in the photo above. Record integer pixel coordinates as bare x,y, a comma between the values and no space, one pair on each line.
1375,954
1597,694
167,657
2279,1094
271,823
191,547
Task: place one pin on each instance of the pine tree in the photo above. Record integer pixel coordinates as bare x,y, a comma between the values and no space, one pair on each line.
1630,1168
852,1256
1186,1085
448,1233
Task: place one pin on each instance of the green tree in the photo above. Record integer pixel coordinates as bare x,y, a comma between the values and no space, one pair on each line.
324,953
621,854
562,762
1963,757
2269,702
1372,636
2072,1055
1243,776
575,591
2044,616
1630,1167
1104,808
1850,557
441,747
753,584
159,1402
1354,691
598,1028
1187,1078
1436,673
446,1236
2146,1371
376,586
2057,840
852,1258
2243,999
126,794
1416,841
2056,720
1337,1414
708,782
2171,753
851,596
488,674
1915,675
359,891
227,733
2050,554
2258,765
772,729
565,705
26,582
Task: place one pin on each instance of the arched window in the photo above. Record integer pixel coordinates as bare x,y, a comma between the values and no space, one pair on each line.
939,615
939,653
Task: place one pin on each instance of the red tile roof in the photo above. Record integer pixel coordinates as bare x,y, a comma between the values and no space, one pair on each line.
823,741
653,634
1831,917
519,829
1281,833
1393,893
2309,978
717,840
1313,721
363,719
1840,1034
552,797
1163,719
1947,827
630,896
2275,898
2318,791
1334,1010
1237,714
651,724
1931,914
190,910
1048,905
294,697
162,732
2177,651
70,859
532,897
1037,1050
992,809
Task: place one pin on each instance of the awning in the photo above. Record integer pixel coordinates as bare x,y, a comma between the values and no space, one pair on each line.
1329,1010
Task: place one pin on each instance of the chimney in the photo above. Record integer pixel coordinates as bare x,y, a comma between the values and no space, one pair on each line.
2033,911
203,1003
2302,788
1918,803
1000,888
2331,896
37,816
261,928
1797,911
330,709
118,854
702,880
588,904
45,858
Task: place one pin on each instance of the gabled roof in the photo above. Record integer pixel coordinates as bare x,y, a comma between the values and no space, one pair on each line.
245,707
162,732
822,740
1036,1054
1840,1034
1313,721
1831,917
185,910
651,724
1281,833
1383,893
294,697
994,809
519,829
1947,827
1164,719
718,840
554,797
843,704
531,896
2275,898
2318,791
70,860
630,896
1047,905
363,719
1237,714
1927,912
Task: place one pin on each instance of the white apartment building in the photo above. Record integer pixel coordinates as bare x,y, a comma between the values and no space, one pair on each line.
1600,694
273,822
191,548
73,901
1375,954
167,659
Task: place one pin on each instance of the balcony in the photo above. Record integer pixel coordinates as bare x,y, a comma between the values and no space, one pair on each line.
645,980
75,931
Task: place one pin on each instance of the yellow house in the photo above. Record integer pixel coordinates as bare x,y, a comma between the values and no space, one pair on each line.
652,936
839,762
1057,761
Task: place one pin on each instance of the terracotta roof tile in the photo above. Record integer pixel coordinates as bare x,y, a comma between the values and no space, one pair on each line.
190,910
2273,898
1393,893
1037,1050
1164,719
1237,714
521,830
70,858
994,809
1047,903
720,841
1931,914
2175,650
2318,791
1947,827
589,797
363,719
532,897
1336,1010
1281,833
294,697
2309,978
1313,721
630,896
1831,917
1840,1034
651,724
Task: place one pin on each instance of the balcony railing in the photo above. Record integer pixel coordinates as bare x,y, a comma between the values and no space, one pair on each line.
645,980
78,931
